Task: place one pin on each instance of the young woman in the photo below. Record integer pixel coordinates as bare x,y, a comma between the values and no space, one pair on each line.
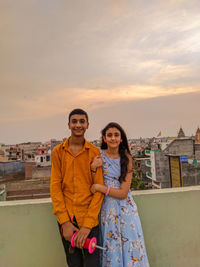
121,231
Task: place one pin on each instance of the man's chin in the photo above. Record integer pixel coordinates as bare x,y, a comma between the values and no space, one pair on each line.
78,134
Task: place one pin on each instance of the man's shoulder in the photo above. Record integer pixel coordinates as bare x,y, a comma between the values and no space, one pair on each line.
93,148
59,147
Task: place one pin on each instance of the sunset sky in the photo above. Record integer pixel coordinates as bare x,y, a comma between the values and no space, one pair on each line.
134,62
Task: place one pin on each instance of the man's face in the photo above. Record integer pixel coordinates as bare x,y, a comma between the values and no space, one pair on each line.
78,124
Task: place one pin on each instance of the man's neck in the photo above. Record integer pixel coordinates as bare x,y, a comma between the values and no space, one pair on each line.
76,140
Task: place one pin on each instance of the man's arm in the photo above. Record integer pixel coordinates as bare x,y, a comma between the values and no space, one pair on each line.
57,197
95,204
56,189
93,212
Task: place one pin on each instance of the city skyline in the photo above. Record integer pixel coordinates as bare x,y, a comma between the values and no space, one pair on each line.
134,62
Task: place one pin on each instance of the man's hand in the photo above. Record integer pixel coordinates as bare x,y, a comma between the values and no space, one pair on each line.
81,236
68,230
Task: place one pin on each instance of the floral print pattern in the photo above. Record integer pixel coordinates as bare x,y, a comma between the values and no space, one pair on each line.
121,230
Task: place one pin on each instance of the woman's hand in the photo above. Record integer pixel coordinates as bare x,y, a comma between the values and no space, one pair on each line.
98,188
97,162
93,188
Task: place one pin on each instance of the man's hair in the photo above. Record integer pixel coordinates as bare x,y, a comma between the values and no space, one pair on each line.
79,112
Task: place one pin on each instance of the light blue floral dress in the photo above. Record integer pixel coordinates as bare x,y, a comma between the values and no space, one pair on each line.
121,231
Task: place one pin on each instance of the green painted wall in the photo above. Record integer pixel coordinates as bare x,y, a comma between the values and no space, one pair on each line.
29,236
171,224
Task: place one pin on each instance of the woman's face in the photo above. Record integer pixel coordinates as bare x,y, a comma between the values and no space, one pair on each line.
112,137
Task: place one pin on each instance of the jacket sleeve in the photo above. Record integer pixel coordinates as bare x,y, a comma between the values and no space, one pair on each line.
56,188
95,204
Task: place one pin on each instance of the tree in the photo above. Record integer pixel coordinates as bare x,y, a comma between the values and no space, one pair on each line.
137,184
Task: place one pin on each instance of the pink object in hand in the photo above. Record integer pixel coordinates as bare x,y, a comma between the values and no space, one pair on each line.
89,243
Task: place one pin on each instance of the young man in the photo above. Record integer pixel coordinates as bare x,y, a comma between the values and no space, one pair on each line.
75,206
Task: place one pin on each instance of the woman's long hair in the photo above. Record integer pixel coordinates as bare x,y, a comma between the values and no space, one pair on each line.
123,148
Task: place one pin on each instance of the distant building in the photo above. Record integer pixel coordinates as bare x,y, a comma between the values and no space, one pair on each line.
28,189
13,152
24,151
181,133
197,144
12,169
29,150
178,164
158,169
54,143
43,156
3,158
2,193
184,146
197,137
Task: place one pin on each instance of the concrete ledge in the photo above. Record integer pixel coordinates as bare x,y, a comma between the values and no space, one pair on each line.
166,190
170,220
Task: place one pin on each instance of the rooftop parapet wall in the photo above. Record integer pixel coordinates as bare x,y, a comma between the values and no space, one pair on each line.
170,220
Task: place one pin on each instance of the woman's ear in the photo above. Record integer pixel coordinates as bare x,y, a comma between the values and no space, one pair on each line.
104,139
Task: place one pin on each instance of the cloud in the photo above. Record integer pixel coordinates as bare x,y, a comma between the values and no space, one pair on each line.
95,54
64,100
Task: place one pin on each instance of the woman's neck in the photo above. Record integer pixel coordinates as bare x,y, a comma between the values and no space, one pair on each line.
112,152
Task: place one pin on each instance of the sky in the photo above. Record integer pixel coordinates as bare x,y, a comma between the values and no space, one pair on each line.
133,62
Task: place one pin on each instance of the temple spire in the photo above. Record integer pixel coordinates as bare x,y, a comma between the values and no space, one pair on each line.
197,136
181,133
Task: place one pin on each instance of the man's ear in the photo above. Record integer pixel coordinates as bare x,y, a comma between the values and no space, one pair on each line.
88,125
68,125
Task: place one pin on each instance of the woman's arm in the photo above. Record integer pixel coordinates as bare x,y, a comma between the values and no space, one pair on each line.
120,193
